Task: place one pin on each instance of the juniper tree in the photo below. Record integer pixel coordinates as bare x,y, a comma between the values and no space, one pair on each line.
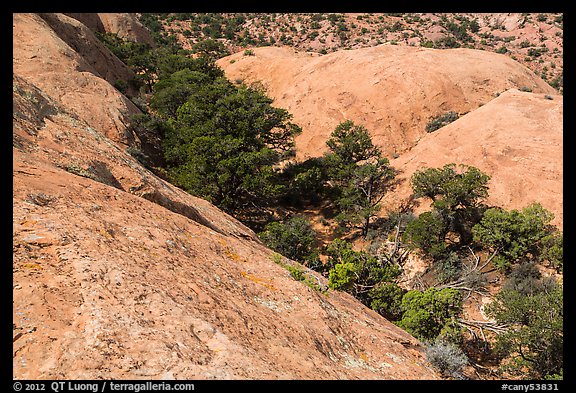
358,173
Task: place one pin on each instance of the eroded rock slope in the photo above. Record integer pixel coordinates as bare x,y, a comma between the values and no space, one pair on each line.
120,275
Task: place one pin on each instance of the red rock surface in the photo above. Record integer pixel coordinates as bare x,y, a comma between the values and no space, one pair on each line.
47,48
120,275
513,136
125,25
392,90
516,138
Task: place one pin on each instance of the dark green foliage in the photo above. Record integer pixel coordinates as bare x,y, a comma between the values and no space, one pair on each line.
352,143
451,189
429,314
557,82
123,49
386,299
173,91
225,143
427,233
167,63
358,173
474,26
153,22
527,280
459,30
446,42
519,236
211,49
150,131
448,268
441,121
305,182
552,250
133,54
220,142
456,195
364,276
293,239
536,52
535,336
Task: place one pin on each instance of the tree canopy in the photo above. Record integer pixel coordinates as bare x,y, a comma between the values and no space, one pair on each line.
431,313
535,337
225,144
519,236
457,195
293,239
358,173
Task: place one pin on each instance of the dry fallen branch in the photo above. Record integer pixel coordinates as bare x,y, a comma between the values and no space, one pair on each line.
481,325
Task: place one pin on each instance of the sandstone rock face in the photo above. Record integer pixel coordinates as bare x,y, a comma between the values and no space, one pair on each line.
120,275
62,57
392,90
514,136
125,25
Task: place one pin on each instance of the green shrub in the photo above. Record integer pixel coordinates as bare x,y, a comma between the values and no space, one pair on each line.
448,268
519,236
342,276
427,314
427,233
527,280
386,299
294,238
357,272
121,85
441,121
533,344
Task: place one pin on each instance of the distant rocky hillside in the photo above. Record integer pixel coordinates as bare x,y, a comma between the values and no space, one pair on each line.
533,39
126,26
118,274
395,91
517,138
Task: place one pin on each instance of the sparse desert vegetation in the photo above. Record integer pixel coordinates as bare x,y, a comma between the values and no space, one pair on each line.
242,240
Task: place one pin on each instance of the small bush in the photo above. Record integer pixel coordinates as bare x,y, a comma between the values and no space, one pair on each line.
121,85
294,238
527,280
448,268
441,121
447,358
